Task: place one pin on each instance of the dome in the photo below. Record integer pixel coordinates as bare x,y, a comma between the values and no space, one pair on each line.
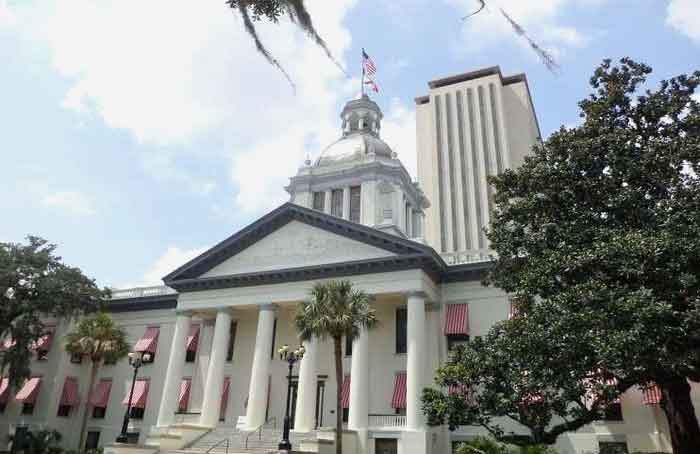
353,147
361,125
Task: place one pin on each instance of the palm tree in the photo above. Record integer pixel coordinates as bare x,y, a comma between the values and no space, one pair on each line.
335,310
97,338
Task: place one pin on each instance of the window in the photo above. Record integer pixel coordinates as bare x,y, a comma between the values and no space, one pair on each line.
337,202
407,220
401,320
346,414
319,200
355,200
93,440
136,413
400,411
274,338
42,355
76,358
99,412
232,340
149,358
64,411
190,356
348,345
3,405
27,408
613,412
453,340
612,447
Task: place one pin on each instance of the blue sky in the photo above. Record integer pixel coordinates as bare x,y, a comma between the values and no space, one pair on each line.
137,134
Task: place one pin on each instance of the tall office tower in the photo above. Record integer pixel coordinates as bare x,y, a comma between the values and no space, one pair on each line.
468,127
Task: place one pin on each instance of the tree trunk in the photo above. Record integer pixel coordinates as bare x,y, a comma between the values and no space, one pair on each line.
83,423
682,423
338,395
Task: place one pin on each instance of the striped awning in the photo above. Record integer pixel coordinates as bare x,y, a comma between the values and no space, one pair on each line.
29,391
652,395
4,390
184,398
457,319
45,341
71,392
398,400
224,398
100,395
140,394
149,340
345,392
193,338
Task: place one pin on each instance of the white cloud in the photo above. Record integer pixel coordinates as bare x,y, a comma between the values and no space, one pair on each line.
171,259
399,131
71,203
541,19
7,17
170,72
684,16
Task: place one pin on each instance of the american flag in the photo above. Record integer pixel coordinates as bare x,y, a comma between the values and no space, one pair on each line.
368,64
368,70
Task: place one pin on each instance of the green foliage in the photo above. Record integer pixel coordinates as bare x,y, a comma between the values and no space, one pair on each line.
97,338
597,235
255,10
335,310
484,445
38,442
34,284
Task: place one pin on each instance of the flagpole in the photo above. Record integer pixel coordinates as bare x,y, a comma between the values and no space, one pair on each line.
362,82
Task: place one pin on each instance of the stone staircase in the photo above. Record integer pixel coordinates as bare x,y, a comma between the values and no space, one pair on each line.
260,442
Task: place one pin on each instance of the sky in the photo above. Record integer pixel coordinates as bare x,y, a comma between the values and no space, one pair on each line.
135,135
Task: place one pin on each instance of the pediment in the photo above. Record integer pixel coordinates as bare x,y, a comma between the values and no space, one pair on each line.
295,245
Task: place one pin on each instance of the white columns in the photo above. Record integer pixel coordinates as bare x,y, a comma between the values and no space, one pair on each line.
346,202
173,376
211,403
304,419
358,418
257,393
415,360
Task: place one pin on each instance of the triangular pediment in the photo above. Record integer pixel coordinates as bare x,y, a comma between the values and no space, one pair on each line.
295,245
293,242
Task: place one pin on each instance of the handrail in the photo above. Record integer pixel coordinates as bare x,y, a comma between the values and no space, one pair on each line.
259,430
217,444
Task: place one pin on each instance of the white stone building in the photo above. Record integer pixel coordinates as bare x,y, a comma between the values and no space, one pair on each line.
354,213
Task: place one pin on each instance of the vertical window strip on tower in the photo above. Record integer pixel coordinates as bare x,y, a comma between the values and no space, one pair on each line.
486,145
452,164
465,169
496,129
441,195
475,169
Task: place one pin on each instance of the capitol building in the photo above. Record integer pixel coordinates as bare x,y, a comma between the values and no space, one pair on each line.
214,382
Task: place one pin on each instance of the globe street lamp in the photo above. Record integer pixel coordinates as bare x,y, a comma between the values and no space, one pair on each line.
136,360
290,357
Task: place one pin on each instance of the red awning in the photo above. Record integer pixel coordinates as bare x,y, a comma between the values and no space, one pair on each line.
457,319
193,338
399,398
71,392
184,398
29,391
149,341
224,398
652,395
100,395
140,394
45,341
345,392
4,390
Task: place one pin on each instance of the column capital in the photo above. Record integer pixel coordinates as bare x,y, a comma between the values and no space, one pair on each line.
267,307
416,294
184,312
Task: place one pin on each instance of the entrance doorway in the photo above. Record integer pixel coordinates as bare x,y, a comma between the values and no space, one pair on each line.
385,446
320,400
